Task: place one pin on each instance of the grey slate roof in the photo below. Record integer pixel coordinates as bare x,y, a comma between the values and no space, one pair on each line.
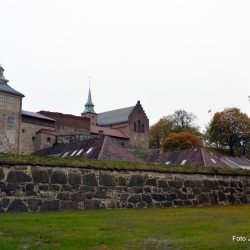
114,116
4,87
36,115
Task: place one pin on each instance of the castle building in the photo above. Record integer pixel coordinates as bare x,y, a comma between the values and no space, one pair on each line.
25,132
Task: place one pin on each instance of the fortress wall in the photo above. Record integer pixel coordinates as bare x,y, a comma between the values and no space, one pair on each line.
34,188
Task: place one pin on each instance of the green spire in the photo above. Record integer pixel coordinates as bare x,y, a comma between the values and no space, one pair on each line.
89,106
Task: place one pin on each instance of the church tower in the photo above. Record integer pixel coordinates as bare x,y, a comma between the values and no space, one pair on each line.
89,111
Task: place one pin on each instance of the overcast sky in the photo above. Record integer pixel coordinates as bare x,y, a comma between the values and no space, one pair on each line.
192,55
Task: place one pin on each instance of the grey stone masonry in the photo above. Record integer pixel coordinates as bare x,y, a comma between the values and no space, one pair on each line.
36,188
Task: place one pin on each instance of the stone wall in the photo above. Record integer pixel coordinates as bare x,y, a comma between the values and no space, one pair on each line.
26,188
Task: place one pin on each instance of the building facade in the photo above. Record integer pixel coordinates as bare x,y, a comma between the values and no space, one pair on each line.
25,132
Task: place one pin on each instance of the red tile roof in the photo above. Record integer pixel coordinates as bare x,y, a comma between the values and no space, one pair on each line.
108,131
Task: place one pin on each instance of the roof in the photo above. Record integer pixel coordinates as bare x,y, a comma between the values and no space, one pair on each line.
197,157
108,131
114,116
4,87
36,115
68,120
99,148
236,162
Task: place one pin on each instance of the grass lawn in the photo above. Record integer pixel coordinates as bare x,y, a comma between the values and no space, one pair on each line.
181,228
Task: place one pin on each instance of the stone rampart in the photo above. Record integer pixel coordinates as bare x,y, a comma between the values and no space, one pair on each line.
34,188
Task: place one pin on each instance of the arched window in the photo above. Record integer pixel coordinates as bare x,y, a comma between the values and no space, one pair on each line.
139,126
142,128
134,126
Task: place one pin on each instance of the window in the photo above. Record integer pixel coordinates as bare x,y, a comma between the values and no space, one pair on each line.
23,130
139,126
48,139
33,139
1,101
135,126
10,123
142,128
11,103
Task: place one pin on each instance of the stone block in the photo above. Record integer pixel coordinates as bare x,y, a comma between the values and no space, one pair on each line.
124,197
122,181
203,198
11,187
213,198
63,196
1,174
17,206
243,200
189,183
29,187
167,204
44,187
58,177
67,187
69,205
34,204
50,205
5,202
158,197
40,175
92,204
138,190
171,197
136,180
151,182
86,189
162,184
81,196
221,196
101,194
135,198
106,180
74,178
223,183
231,199
56,187
178,203
175,184
89,179
146,198
17,177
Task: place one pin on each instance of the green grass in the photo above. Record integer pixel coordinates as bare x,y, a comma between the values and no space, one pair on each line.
173,228
12,159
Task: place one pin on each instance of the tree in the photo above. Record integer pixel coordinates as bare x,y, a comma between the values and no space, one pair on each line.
181,141
159,131
182,119
230,128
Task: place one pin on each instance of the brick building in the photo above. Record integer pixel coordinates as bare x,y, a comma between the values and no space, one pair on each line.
24,132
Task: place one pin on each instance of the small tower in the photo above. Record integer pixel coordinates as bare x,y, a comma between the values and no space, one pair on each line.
10,116
89,111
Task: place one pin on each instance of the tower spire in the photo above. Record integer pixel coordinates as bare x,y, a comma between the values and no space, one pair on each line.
89,106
